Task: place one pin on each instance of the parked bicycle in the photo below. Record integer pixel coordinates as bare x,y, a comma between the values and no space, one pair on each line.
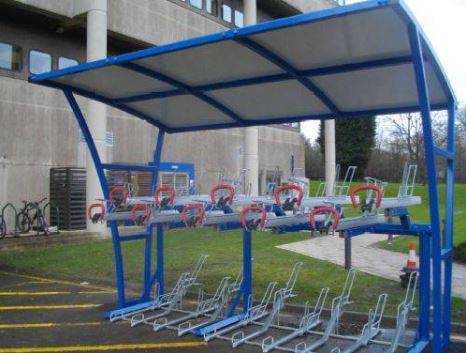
32,217
2,227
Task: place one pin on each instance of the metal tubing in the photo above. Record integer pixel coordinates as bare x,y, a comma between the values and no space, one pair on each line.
247,268
160,275
347,251
105,189
449,213
424,104
424,286
149,228
147,275
157,158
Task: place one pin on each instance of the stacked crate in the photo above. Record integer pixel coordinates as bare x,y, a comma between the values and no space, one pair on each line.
68,194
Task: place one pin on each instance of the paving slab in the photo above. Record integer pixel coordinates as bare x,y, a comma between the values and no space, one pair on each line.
367,258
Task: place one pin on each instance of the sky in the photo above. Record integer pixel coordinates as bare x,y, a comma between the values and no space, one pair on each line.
444,22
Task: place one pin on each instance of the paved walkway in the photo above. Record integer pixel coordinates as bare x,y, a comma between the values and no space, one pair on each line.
368,258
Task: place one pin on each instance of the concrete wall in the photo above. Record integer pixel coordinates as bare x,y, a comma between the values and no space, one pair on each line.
38,131
314,5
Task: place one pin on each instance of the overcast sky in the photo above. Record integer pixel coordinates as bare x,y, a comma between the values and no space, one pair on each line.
444,22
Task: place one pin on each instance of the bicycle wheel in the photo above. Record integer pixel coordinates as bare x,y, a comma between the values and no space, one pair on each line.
23,222
42,224
2,227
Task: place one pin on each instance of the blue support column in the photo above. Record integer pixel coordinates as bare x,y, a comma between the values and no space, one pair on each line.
157,158
449,216
424,286
149,231
247,267
105,189
424,104
160,275
147,264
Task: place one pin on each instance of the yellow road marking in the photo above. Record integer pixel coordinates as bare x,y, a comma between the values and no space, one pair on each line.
42,279
21,284
48,307
114,347
47,325
5,294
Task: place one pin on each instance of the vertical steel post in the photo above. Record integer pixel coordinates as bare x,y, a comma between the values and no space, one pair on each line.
424,285
103,183
449,216
348,251
147,263
160,273
149,236
247,267
157,158
424,104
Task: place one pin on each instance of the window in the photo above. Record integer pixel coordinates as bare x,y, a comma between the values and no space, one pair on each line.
10,57
196,3
64,63
39,62
226,13
180,181
239,19
212,7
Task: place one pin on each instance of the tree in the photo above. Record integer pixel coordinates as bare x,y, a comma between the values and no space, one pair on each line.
354,140
313,161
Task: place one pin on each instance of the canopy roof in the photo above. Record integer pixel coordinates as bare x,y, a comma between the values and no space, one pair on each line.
344,62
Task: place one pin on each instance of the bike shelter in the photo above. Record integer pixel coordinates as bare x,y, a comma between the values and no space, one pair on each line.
370,58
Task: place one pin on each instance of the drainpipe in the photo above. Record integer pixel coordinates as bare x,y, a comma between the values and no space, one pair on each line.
96,48
251,134
330,159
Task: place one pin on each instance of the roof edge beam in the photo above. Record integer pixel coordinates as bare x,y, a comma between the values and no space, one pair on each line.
322,71
188,90
287,67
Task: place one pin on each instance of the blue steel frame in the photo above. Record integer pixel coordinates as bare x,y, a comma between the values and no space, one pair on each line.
435,244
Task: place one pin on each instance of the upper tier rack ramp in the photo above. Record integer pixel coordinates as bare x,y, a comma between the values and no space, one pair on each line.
347,61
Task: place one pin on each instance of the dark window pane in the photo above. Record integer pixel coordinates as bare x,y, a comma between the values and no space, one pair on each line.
10,57
212,7
239,20
196,3
63,63
39,62
226,13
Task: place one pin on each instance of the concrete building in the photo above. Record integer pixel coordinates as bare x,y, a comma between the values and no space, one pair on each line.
38,131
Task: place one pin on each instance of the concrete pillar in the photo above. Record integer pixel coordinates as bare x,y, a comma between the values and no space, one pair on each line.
251,134
96,112
330,159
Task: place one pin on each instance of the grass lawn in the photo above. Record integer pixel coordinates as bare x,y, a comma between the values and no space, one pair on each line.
420,214
93,262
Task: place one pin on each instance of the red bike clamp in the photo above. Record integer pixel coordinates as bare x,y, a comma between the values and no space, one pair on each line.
216,188
360,188
253,208
113,197
168,189
199,219
141,207
97,216
286,187
324,210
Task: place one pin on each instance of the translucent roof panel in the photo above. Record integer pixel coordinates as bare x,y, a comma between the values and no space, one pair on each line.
347,61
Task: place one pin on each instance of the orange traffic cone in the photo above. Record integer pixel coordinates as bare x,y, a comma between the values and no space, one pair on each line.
412,260
411,266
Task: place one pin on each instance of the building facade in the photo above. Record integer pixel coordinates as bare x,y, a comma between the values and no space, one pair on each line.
38,131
